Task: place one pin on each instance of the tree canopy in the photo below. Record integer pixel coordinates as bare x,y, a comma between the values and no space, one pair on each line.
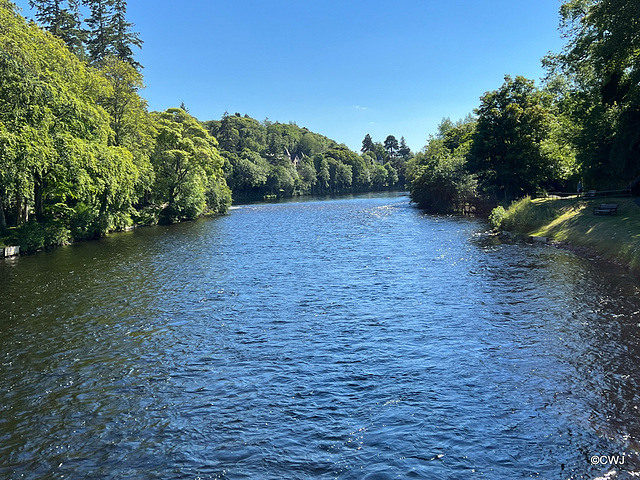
80,155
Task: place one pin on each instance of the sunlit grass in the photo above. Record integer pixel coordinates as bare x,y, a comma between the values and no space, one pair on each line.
572,221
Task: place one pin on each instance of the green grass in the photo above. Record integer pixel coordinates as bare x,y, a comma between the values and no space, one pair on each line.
573,222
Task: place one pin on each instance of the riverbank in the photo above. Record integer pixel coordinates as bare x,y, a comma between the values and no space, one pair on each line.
571,223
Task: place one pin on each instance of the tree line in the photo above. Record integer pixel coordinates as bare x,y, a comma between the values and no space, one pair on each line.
81,155
581,125
92,29
264,159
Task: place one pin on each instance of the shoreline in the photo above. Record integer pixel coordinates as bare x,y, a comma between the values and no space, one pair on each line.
571,224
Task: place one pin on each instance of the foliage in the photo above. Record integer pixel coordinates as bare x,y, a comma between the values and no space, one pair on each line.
77,144
439,180
104,33
188,166
507,151
275,159
367,144
496,217
62,19
34,236
30,237
55,137
601,68
524,215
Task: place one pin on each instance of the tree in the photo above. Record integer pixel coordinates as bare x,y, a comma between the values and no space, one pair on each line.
367,144
379,177
391,145
439,180
62,19
600,64
403,150
507,153
307,175
100,35
186,160
59,162
324,175
123,35
122,100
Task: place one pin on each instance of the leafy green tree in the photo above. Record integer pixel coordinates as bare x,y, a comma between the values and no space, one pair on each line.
122,100
507,152
324,175
382,156
186,159
341,175
307,175
600,65
439,179
280,181
379,178
359,176
249,174
393,178
61,163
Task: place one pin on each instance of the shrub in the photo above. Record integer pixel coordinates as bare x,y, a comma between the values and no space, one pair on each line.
496,217
34,236
30,237
524,215
85,224
56,233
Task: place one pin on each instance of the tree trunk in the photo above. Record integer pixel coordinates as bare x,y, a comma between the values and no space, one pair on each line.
39,204
3,219
22,212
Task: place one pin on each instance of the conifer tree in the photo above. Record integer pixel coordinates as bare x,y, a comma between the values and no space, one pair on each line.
62,19
124,37
101,34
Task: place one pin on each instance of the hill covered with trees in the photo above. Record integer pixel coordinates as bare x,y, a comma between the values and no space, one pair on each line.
265,159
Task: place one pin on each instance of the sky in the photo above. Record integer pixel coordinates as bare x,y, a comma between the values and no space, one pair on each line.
341,68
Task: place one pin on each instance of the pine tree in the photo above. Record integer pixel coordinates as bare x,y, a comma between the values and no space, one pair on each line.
367,144
62,19
124,37
391,145
404,151
101,35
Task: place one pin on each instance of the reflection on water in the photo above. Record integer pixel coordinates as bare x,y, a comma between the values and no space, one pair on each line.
352,338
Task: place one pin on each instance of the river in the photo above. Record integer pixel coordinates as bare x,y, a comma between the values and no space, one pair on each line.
349,338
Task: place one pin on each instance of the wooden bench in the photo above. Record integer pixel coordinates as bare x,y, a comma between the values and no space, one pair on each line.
606,209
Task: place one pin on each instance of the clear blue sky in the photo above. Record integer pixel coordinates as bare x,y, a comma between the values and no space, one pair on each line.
338,67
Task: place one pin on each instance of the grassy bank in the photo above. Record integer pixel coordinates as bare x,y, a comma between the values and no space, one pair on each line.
572,222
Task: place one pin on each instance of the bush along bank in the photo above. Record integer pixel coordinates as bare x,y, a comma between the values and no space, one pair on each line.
572,223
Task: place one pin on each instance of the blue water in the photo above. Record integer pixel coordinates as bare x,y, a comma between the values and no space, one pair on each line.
348,338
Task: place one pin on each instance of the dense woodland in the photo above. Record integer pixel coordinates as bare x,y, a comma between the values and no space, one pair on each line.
267,159
81,155
581,125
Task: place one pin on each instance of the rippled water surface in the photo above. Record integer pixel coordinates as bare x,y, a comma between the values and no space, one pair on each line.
351,338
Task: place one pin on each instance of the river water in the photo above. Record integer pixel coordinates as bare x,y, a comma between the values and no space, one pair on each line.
348,338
